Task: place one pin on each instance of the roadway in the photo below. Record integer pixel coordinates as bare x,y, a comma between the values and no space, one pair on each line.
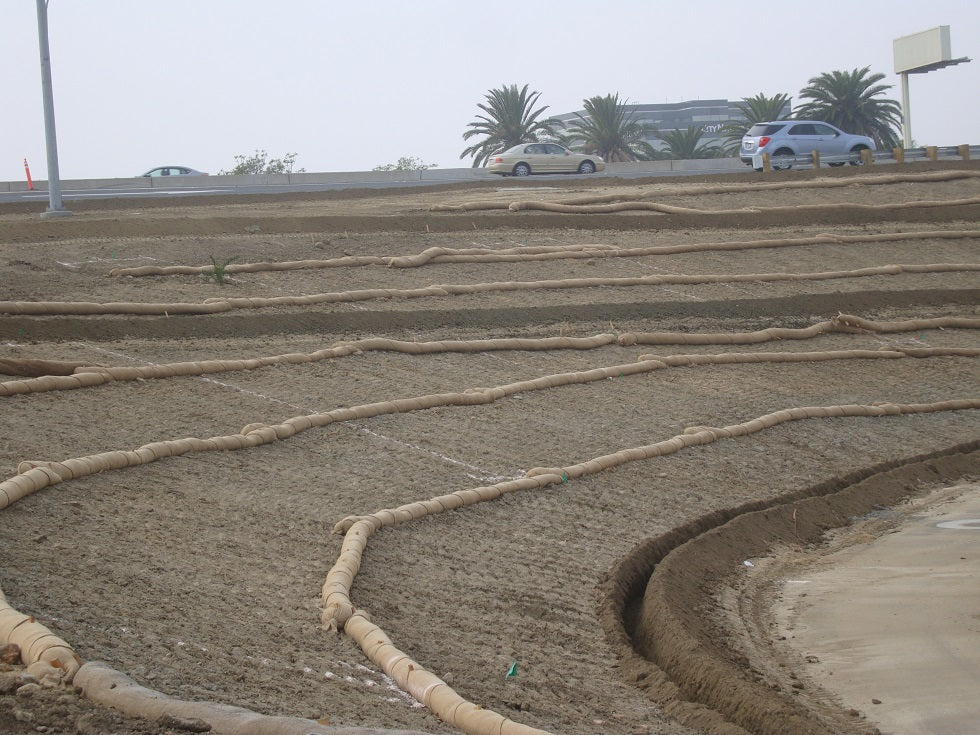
128,192
191,186
282,184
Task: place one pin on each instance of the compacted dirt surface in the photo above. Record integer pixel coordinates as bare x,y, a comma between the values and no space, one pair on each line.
550,324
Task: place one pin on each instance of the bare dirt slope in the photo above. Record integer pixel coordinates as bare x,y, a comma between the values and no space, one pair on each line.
200,575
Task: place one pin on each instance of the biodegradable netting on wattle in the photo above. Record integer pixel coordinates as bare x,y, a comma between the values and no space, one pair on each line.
673,209
55,660
215,306
33,368
429,255
91,375
701,189
340,612
36,475
47,656
534,253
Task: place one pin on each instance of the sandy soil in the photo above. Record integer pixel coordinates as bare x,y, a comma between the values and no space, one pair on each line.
200,576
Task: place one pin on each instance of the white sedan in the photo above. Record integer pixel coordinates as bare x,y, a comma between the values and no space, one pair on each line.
543,158
172,171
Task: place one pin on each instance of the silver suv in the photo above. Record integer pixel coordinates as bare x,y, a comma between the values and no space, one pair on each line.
783,140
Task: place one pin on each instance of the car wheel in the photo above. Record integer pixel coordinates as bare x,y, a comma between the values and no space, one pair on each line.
835,164
586,167
782,152
522,169
857,149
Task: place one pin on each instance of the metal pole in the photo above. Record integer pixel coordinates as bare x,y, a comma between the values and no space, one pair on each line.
55,207
906,113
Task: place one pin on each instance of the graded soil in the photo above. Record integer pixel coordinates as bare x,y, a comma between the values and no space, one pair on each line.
492,344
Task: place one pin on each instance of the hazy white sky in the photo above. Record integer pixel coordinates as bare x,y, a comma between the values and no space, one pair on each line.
349,85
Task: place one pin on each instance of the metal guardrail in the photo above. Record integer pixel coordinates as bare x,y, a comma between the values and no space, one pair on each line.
896,155
932,153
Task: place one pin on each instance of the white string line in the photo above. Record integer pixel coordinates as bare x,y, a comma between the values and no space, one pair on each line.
68,264
484,476
675,291
738,288
472,471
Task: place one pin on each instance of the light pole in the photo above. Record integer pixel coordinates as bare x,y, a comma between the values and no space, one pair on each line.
55,207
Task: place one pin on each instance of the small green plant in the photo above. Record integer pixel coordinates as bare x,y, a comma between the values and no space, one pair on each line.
219,271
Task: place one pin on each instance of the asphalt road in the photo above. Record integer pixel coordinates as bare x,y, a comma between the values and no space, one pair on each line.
68,195
128,192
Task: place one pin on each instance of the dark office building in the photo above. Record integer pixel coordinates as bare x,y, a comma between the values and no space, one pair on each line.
709,115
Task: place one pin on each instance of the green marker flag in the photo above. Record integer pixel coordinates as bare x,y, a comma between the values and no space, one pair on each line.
512,671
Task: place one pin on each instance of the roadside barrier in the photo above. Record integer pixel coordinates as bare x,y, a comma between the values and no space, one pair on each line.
866,156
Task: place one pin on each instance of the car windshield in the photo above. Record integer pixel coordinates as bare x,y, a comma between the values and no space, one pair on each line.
765,128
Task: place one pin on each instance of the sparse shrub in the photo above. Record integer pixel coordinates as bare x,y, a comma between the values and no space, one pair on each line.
219,271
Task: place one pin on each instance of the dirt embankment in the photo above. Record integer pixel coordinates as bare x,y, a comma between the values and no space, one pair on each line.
201,574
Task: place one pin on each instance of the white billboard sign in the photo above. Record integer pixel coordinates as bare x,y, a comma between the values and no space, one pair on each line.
923,51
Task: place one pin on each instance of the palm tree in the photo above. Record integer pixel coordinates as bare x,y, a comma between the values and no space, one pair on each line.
850,100
607,129
509,120
754,110
685,145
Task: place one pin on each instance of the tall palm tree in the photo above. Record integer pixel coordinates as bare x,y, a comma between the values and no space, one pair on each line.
608,129
851,101
509,120
753,110
685,145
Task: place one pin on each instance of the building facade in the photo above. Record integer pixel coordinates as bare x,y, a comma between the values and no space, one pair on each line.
709,115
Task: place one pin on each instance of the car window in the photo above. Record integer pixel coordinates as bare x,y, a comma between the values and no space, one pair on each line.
765,129
824,129
556,150
802,129
532,149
